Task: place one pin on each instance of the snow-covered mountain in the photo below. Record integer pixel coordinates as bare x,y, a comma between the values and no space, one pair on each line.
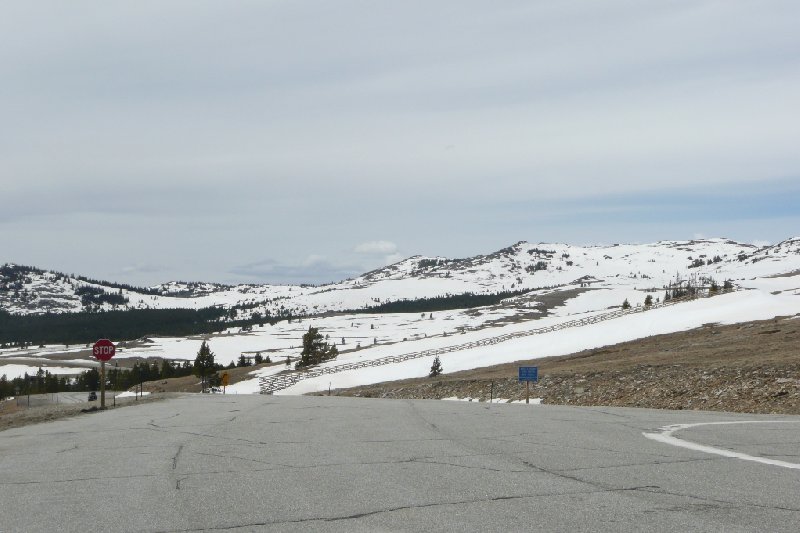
562,285
523,266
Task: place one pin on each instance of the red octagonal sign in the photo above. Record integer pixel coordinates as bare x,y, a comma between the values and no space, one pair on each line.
104,349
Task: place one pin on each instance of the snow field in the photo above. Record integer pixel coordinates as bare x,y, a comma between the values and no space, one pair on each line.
18,371
724,309
533,401
129,394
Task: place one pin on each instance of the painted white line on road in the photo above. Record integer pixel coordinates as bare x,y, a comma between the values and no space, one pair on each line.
665,436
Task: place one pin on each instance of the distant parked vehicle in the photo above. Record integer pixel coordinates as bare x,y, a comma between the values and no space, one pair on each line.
92,396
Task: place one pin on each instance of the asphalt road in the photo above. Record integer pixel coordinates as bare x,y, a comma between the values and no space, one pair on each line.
262,463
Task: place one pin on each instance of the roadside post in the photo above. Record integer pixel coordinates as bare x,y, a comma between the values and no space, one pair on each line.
528,374
103,351
225,381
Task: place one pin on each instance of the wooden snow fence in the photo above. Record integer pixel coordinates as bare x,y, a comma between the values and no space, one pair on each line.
270,384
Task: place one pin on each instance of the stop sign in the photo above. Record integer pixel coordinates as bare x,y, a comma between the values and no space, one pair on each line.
104,349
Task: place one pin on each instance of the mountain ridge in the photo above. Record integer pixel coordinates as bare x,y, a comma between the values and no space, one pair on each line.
521,266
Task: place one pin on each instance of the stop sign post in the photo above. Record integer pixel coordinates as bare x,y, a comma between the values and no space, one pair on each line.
103,351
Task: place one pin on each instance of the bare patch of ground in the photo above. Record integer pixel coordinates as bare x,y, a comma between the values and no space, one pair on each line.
192,383
752,367
527,307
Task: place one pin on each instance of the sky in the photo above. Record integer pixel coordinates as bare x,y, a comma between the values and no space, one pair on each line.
297,141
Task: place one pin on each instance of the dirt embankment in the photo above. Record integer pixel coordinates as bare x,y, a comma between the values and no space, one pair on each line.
192,383
752,367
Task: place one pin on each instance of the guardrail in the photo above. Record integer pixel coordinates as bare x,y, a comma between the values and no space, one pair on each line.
270,384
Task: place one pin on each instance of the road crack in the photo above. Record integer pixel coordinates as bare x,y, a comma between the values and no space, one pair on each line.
175,458
366,514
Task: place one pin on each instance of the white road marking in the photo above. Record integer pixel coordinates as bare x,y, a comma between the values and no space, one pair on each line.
665,436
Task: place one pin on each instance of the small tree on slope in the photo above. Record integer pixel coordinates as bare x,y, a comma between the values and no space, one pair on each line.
204,362
315,349
436,367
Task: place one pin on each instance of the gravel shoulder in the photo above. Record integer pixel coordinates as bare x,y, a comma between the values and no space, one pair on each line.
16,414
752,367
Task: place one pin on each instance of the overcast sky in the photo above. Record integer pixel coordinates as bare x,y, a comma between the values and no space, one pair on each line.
309,141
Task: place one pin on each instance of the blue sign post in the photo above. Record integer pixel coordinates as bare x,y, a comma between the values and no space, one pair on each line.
528,374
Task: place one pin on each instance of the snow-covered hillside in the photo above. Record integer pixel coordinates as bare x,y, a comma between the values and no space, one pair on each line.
567,283
523,266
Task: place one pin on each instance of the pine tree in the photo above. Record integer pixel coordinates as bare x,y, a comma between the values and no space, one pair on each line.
648,301
315,349
92,378
626,304
204,363
5,387
436,367
167,370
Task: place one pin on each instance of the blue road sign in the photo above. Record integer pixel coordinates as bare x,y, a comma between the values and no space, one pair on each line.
529,373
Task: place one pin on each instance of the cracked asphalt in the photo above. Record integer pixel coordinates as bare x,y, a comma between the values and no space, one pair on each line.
264,463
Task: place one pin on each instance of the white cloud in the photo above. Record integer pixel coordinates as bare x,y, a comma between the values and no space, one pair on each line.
376,248
141,268
313,269
314,259
393,258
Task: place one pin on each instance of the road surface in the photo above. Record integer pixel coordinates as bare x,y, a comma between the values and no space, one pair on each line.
267,463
